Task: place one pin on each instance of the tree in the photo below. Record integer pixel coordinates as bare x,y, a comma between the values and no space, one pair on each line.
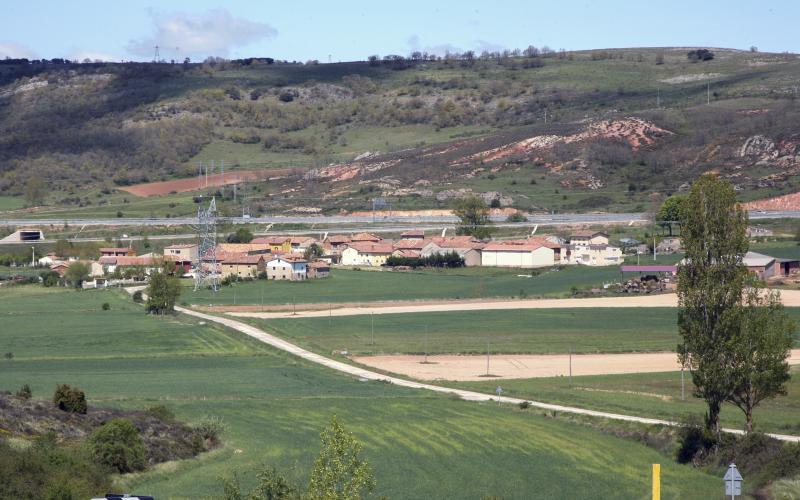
670,212
163,290
313,252
473,215
241,235
711,281
72,400
339,474
34,190
118,445
660,58
762,346
62,248
77,273
271,484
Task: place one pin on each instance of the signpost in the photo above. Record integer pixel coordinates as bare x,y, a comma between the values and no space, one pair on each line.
499,391
656,481
733,482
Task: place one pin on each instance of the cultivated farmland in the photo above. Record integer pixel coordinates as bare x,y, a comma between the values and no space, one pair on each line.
421,445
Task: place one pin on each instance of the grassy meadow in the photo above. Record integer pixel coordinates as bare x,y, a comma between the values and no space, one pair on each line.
420,445
359,286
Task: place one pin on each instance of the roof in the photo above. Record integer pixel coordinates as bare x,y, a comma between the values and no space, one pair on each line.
382,248
456,242
242,247
754,259
319,264
270,240
517,246
409,244
133,261
290,259
414,233
338,239
181,245
115,250
650,269
404,252
587,234
243,259
365,237
299,240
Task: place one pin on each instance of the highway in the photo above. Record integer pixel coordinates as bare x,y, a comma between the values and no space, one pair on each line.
401,222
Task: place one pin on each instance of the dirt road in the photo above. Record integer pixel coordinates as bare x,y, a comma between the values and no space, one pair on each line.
791,298
509,366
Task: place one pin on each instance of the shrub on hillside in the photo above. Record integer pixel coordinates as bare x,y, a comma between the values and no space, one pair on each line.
162,413
65,398
117,444
137,296
25,392
210,428
106,306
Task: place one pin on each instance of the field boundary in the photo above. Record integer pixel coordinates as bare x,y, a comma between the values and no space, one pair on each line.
364,374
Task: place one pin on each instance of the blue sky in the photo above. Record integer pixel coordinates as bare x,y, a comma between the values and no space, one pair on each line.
348,30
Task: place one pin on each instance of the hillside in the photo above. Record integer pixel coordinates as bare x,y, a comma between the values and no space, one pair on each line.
612,129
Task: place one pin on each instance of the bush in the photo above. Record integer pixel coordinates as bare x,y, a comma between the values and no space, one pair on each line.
137,296
524,405
516,217
70,400
449,260
49,278
25,392
117,444
694,441
162,413
106,306
210,428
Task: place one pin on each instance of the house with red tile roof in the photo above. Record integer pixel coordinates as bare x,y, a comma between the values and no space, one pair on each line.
366,254
521,253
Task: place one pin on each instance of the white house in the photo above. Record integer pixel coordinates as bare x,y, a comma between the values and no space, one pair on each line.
521,253
287,268
592,249
366,254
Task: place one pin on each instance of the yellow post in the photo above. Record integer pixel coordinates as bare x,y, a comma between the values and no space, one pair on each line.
656,481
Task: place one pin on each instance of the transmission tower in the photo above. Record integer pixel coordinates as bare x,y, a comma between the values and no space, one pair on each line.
156,56
206,270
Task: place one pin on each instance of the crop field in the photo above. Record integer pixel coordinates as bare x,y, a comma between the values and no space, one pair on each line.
648,394
420,445
360,286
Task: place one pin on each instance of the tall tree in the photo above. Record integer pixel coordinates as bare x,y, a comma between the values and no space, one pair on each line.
34,190
339,473
77,273
760,368
669,214
163,290
473,215
711,281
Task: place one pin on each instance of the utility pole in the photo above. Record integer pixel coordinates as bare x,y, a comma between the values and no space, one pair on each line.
683,393
708,92
33,257
545,116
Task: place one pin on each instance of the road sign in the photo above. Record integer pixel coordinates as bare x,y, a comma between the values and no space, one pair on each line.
733,482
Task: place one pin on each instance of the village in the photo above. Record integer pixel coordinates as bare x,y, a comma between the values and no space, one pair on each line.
299,258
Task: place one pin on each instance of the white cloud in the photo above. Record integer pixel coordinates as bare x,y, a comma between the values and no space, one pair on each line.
481,45
15,50
214,32
440,49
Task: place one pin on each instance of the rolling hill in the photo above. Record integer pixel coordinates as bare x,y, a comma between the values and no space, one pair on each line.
594,130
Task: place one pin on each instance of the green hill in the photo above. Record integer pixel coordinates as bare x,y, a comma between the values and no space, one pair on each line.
611,129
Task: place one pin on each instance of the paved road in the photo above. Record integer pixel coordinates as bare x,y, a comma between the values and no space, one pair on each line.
409,222
278,343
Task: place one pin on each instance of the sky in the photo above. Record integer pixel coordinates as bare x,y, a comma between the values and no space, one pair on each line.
345,30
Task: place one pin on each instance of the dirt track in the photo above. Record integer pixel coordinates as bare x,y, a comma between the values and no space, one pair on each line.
509,366
197,183
791,298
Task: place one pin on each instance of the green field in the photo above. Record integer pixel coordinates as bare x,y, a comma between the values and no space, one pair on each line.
359,286
657,394
420,445
528,331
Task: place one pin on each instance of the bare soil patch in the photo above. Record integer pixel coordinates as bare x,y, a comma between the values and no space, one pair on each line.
197,183
513,366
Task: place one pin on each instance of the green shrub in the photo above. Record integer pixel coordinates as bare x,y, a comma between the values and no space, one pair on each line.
524,405
694,441
25,392
106,306
137,296
162,413
70,400
117,444
210,428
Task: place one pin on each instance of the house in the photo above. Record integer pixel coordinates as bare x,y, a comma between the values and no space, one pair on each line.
761,265
521,253
244,248
242,265
336,243
789,267
287,268
318,269
366,254
299,244
49,259
60,268
184,254
592,249
414,234
117,252
669,245
147,263
409,244
365,238
758,232
466,247
277,244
